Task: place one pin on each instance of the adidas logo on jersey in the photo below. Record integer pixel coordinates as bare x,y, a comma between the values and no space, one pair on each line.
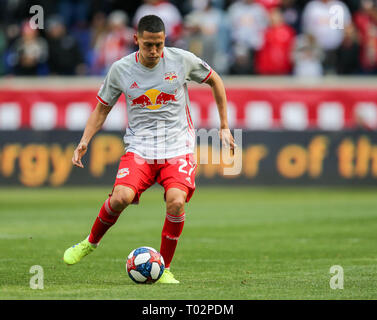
134,85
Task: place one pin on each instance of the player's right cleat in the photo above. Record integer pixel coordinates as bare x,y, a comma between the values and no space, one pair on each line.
75,253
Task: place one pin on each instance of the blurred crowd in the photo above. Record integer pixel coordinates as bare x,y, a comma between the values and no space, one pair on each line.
258,37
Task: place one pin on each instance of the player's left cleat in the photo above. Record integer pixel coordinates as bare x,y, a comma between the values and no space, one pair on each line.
167,277
75,253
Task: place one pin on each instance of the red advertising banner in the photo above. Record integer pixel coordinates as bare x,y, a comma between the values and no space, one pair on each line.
253,109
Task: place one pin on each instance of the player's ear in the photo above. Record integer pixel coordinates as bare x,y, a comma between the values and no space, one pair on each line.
136,39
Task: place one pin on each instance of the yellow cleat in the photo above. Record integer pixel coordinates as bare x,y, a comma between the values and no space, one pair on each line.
75,253
167,277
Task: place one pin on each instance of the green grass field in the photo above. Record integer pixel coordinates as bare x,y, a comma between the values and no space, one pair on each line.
238,243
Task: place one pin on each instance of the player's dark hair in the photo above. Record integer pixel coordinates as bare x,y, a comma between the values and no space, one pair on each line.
150,23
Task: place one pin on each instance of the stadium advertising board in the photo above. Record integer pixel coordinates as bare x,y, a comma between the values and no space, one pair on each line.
43,158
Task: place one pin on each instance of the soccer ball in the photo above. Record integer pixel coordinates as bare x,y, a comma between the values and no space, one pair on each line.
145,265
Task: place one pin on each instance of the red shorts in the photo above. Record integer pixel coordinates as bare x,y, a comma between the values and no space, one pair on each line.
139,174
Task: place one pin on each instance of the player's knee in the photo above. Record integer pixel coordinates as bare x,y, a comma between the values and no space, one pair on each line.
175,201
122,197
120,201
175,205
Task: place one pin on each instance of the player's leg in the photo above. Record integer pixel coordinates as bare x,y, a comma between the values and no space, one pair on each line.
178,179
174,222
109,213
131,181
121,197
172,229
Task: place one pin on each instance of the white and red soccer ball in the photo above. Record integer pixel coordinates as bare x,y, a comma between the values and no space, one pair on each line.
145,265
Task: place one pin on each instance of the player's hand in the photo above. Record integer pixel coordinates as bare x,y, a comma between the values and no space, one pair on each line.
79,153
227,139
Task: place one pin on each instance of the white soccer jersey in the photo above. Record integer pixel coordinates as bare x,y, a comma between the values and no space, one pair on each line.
158,106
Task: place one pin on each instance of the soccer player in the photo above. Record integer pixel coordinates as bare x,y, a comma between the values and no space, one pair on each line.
160,138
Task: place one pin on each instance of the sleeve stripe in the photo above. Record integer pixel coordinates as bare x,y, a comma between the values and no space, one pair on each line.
207,77
102,101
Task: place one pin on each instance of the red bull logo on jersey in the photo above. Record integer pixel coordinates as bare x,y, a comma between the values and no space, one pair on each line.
170,77
153,99
122,173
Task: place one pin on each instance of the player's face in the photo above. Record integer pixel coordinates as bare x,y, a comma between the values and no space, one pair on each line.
151,45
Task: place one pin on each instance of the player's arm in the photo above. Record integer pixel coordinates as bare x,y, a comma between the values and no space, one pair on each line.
218,91
93,125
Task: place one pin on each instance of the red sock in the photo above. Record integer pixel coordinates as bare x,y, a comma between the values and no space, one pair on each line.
106,218
171,231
